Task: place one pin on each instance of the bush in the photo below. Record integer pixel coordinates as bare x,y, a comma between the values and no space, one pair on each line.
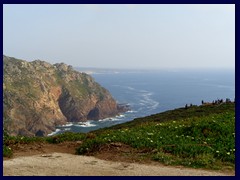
7,151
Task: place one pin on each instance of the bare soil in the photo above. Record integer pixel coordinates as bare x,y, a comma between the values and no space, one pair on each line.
115,159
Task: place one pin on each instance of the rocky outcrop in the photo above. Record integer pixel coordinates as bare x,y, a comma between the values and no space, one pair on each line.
38,96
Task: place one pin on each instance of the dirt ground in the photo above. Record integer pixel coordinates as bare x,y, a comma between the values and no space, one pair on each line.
42,159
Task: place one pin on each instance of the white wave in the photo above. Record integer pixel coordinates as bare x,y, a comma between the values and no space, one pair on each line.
116,118
130,88
67,125
131,111
85,124
121,115
147,101
67,129
55,132
155,105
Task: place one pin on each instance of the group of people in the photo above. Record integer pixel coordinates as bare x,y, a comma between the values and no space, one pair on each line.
219,101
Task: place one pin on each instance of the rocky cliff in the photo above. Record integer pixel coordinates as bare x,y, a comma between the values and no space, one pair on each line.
37,96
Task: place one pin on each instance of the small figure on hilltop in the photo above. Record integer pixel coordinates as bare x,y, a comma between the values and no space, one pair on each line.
218,101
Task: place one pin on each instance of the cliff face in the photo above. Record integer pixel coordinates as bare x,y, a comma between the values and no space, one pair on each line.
37,96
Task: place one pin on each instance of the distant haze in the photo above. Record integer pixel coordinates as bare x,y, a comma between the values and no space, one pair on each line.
122,36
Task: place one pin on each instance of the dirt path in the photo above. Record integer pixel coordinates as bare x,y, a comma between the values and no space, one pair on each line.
45,159
62,164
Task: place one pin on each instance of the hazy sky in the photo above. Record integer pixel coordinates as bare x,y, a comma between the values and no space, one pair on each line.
122,36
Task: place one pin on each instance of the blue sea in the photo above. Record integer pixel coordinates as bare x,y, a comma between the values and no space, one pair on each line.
153,91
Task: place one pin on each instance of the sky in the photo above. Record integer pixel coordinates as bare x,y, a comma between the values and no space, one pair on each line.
122,36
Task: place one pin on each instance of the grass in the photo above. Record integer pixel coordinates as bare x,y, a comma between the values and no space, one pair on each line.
199,137
204,138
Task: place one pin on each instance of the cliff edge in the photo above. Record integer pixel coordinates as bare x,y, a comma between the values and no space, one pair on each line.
37,96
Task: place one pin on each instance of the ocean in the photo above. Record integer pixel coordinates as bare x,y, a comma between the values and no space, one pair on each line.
153,91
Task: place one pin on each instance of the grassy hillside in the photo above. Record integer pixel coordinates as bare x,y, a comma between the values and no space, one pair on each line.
198,136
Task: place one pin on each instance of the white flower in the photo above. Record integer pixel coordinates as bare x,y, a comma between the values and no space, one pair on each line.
228,153
149,134
217,151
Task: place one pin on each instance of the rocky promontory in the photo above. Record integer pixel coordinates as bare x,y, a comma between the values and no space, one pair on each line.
38,96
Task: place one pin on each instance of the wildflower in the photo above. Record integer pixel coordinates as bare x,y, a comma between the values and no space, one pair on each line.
174,121
192,137
149,134
160,137
234,150
228,153
204,142
176,127
151,140
217,151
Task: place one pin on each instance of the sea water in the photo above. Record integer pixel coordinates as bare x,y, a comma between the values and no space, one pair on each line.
153,91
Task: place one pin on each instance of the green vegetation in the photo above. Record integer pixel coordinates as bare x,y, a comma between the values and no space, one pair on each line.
11,140
67,136
199,137
195,142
